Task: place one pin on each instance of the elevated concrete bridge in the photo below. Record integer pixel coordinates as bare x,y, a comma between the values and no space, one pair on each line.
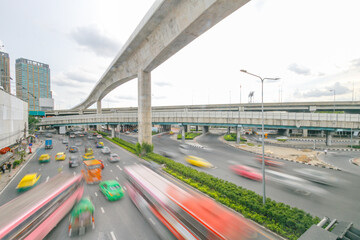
168,26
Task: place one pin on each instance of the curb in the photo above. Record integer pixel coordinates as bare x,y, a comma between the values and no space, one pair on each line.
280,158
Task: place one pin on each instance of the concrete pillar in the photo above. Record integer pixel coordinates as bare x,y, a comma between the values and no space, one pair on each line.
205,129
196,128
113,132
305,133
228,130
329,137
287,132
144,107
182,133
81,112
238,134
185,127
322,134
98,111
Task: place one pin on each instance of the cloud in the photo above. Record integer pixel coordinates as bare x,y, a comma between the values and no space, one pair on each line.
124,97
80,77
163,84
92,39
355,63
328,91
299,69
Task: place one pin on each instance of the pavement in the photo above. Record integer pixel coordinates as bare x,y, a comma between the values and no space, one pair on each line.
6,177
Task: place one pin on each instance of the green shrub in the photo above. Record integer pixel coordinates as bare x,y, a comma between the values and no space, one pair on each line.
250,144
354,146
281,140
188,135
104,134
16,163
232,137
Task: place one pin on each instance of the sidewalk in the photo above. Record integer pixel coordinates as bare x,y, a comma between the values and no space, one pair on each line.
6,177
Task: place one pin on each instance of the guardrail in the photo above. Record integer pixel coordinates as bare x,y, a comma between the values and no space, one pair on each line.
297,120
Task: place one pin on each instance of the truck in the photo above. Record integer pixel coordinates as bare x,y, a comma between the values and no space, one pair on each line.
48,144
62,130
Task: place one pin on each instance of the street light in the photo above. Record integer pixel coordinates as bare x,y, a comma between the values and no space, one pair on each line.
333,90
262,126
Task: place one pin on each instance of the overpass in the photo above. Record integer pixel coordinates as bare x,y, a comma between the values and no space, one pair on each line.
345,106
306,121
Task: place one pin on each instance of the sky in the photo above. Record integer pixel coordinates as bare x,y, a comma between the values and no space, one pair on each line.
312,46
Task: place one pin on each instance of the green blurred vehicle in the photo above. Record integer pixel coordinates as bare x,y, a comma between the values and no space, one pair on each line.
112,190
82,217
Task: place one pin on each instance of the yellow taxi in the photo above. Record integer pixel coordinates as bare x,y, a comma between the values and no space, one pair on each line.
28,181
60,156
198,162
44,158
88,157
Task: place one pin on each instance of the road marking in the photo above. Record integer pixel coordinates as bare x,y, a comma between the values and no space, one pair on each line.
124,188
113,235
74,173
152,221
117,178
119,167
102,210
47,179
95,193
106,164
110,170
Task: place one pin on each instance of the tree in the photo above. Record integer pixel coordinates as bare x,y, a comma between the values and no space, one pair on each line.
32,123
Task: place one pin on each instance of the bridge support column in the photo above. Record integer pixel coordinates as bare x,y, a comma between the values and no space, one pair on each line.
144,107
305,133
228,130
196,128
329,137
98,111
287,132
81,112
205,129
182,134
238,134
112,131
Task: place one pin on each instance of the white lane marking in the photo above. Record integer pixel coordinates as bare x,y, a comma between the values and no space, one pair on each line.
106,164
47,179
119,167
113,235
124,188
110,170
102,210
74,173
152,221
95,193
117,178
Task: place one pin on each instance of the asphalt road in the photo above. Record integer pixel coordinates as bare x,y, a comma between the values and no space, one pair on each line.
340,201
113,220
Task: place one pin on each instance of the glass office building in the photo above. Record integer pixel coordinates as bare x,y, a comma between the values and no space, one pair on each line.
32,82
5,71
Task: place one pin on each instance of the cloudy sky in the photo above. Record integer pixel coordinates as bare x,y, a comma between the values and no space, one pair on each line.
313,46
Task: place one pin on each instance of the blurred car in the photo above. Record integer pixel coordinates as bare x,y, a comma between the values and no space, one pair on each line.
167,154
81,134
100,145
65,141
60,156
73,149
317,176
113,158
44,158
90,137
247,172
106,150
95,134
171,133
88,157
72,135
102,164
74,161
269,161
184,148
81,217
127,132
198,162
48,135
89,151
28,181
99,136
111,189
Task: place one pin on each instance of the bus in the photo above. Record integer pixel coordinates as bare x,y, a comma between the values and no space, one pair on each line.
33,214
178,212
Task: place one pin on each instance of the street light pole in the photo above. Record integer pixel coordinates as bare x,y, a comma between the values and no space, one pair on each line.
262,127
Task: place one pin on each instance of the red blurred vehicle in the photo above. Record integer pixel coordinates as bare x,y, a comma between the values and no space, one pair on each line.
247,172
102,164
269,161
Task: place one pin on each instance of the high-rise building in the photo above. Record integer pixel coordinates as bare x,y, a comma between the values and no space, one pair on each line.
32,82
5,71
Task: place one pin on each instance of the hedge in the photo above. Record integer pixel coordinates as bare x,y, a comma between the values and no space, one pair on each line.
232,137
278,217
103,133
354,146
188,135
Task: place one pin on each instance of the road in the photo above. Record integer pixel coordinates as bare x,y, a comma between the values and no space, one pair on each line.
113,220
339,201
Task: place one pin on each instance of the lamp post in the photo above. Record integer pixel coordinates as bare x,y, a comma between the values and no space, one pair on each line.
262,126
333,90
